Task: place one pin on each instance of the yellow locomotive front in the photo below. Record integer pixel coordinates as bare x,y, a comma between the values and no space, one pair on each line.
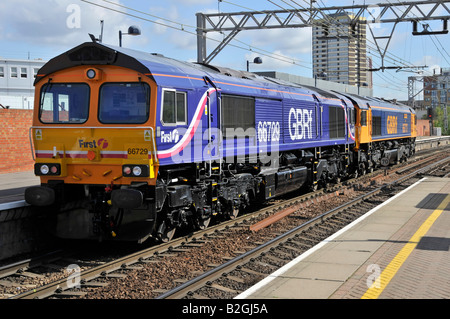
94,147
87,128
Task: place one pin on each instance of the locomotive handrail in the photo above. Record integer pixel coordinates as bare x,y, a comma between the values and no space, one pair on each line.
31,143
153,152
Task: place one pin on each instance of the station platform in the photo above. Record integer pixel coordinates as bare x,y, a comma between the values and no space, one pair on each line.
13,185
398,250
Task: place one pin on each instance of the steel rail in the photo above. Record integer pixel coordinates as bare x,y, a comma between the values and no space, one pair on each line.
95,272
16,267
122,263
215,273
22,203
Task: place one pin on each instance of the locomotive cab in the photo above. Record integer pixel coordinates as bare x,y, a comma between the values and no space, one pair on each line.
94,144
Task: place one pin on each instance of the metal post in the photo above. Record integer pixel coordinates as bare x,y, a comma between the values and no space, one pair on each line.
201,38
101,32
445,119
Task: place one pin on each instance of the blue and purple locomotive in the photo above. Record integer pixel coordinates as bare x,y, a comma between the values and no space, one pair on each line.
131,145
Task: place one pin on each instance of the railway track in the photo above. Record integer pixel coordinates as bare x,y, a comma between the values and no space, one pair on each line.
208,263
225,281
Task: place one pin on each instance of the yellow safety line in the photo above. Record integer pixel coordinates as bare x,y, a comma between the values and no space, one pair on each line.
374,292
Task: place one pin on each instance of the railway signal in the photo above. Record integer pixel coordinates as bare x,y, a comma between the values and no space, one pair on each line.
430,113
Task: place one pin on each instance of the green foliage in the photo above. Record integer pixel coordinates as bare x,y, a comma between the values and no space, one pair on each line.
438,118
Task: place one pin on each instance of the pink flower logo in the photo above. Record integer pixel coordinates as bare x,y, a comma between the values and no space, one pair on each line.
102,143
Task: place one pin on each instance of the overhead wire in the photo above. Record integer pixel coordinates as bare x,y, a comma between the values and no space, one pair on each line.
132,15
389,55
396,59
262,12
330,23
430,35
439,50
248,47
393,86
181,27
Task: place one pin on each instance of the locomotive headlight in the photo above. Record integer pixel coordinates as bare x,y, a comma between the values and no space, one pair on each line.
126,170
131,170
47,169
137,171
44,169
91,74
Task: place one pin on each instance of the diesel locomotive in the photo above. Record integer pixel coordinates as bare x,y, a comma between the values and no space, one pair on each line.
130,145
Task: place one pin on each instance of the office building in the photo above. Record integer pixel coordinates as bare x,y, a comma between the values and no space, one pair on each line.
339,51
436,89
16,82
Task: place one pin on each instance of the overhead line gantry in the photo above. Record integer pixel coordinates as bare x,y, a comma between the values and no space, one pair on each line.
233,23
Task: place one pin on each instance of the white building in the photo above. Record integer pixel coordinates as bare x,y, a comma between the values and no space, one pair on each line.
339,50
16,82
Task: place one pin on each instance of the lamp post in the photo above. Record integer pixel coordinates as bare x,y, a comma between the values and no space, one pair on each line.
133,30
364,84
322,75
257,60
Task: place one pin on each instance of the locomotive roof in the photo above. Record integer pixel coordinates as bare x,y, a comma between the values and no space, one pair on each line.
382,103
163,70
161,67
89,53
150,64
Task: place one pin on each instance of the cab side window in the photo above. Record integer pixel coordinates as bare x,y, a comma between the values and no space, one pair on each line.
363,118
174,108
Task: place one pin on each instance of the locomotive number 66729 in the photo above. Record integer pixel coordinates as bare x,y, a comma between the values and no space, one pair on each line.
268,131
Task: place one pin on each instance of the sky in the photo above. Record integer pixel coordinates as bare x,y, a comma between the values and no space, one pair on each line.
31,29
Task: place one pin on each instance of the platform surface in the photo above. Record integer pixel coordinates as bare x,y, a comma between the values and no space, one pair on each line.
399,250
13,185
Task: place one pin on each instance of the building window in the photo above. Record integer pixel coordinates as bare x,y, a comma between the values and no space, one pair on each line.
35,72
2,72
23,73
13,72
